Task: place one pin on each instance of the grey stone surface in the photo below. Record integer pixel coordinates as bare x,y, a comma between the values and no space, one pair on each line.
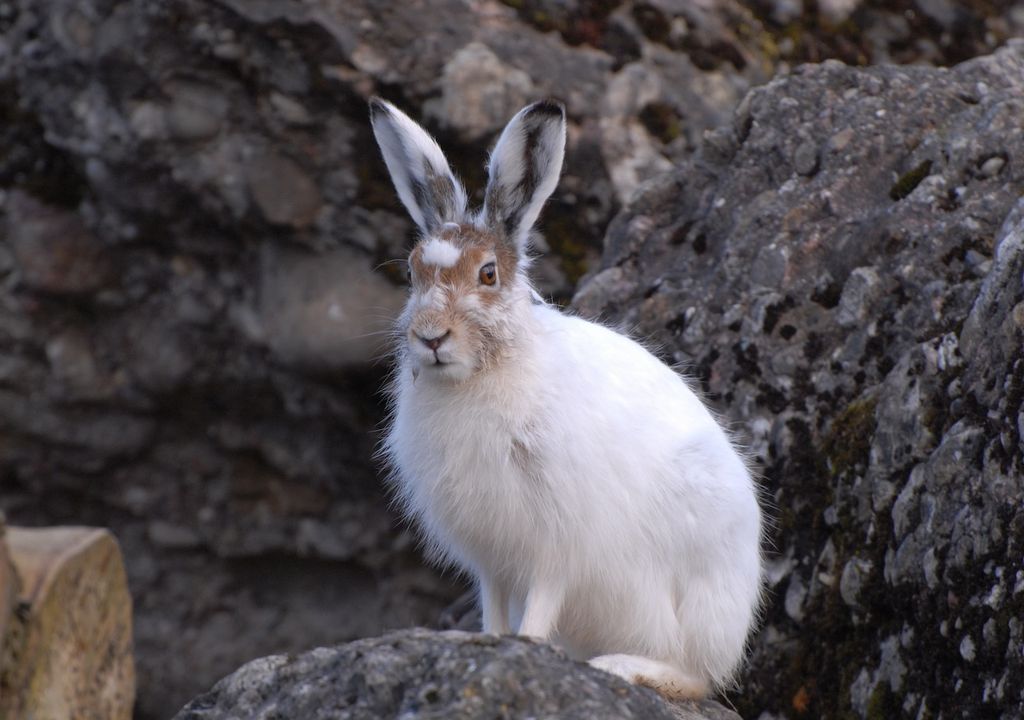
423,674
872,364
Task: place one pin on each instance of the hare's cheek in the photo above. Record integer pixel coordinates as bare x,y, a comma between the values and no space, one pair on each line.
468,306
481,309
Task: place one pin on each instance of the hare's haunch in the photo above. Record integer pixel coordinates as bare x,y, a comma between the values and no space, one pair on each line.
590,493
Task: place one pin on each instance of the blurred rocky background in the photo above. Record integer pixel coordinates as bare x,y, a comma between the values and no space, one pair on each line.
199,254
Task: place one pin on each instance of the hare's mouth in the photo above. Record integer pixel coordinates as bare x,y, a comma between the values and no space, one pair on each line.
434,362
448,369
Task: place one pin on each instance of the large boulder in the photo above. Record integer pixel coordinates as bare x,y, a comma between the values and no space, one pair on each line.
840,271
423,674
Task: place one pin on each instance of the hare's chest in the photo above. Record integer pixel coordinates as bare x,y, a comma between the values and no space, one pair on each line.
479,488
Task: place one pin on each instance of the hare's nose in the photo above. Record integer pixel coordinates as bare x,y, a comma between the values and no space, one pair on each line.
435,342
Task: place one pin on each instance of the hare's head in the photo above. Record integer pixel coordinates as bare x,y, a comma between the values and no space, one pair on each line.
467,274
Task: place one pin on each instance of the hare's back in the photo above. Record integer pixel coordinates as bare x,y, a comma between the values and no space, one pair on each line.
598,366
660,472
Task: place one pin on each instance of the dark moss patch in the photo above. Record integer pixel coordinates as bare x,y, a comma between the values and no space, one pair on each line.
652,22
775,311
700,244
828,296
813,346
679,235
568,240
771,398
883,703
661,121
810,37
582,24
702,370
849,439
910,180
676,325
746,361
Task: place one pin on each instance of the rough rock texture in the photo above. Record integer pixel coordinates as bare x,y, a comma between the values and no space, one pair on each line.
422,674
67,650
841,271
724,34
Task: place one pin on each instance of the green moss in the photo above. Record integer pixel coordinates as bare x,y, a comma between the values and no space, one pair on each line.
564,239
910,180
375,189
883,704
653,23
849,439
661,120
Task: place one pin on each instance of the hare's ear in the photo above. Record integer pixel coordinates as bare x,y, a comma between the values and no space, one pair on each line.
523,171
425,183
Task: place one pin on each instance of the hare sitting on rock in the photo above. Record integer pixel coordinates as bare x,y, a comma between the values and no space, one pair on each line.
588,491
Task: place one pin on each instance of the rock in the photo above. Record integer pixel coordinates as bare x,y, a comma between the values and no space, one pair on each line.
414,673
323,310
836,11
68,651
74,366
282,190
174,537
805,159
53,249
479,93
196,111
838,319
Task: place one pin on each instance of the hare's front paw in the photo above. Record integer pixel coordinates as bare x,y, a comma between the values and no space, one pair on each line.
625,666
661,677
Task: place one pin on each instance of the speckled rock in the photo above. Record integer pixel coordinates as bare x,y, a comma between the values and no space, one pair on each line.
418,673
861,327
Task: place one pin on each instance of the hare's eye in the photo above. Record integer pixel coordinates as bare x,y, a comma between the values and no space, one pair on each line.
488,274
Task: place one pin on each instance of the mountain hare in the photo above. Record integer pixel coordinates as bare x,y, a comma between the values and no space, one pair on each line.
591,495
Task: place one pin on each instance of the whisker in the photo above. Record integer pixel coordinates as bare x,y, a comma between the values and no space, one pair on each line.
367,335
396,261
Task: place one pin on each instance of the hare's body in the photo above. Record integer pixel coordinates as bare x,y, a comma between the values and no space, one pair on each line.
590,493
558,468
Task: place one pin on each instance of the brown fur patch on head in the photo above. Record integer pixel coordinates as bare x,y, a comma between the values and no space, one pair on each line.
477,247
449,300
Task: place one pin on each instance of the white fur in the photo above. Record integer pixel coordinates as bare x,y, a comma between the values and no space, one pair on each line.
440,253
590,493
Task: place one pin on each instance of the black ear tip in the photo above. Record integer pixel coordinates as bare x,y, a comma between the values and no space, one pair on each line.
377,106
549,107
